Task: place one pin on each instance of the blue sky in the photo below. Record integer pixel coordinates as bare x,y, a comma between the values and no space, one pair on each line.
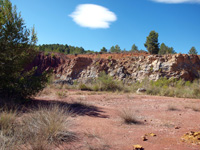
93,24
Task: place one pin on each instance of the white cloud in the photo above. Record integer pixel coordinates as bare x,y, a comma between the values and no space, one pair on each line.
177,1
93,16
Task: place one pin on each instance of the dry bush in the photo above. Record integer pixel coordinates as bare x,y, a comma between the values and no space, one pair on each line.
84,87
42,129
61,94
7,120
38,144
49,124
8,125
98,145
6,142
172,108
128,116
47,91
95,142
194,107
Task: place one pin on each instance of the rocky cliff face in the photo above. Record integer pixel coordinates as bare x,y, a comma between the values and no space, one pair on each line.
128,67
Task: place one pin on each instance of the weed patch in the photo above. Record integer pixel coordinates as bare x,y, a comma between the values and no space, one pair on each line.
129,117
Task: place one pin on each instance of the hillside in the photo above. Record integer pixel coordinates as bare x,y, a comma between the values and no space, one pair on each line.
128,67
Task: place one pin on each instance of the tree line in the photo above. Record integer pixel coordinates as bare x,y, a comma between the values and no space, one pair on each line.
61,48
152,45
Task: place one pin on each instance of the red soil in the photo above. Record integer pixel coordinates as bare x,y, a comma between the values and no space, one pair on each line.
98,124
109,55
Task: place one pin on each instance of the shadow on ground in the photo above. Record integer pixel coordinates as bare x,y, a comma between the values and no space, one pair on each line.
76,108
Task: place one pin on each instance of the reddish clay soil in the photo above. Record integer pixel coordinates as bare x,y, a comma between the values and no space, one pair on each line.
98,125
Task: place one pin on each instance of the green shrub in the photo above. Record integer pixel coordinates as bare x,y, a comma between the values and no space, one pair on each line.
83,87
170,87
196,92
53,55
16,53
107,83
95,88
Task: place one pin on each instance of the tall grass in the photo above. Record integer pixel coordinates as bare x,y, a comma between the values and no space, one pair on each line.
7,127
42,129
103,83
169,87
163,86
50,124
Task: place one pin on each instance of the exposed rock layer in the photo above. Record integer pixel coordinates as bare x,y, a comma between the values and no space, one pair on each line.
128,67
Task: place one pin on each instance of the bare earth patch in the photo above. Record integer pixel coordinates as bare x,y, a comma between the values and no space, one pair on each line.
99,125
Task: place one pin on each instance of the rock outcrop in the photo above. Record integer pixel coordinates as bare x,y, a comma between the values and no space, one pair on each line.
128,67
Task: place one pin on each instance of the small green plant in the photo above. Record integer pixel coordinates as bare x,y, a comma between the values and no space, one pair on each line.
97,63
96,87
84,87
46,53
109,57
107,83
98,56
53,55
196,92
151,69
139,68
61,94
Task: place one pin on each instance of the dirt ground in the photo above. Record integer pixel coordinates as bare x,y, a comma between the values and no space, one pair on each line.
98,125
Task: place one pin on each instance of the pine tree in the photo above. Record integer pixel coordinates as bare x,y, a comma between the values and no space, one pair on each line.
166,50
117,48
134,48
193,51
17,50
104,50
112,49
152,44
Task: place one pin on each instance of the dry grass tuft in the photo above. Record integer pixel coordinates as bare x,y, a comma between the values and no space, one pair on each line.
173,108
194,107
61,94
94,141
49,123
7,120
128,116
42,129
7,128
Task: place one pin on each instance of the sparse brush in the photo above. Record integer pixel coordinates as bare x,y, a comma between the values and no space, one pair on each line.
172,108
47,91
49,124
6,142
7,120
84,87
97,146
96,143
61,94
128,116
38,144
196,108
107,83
